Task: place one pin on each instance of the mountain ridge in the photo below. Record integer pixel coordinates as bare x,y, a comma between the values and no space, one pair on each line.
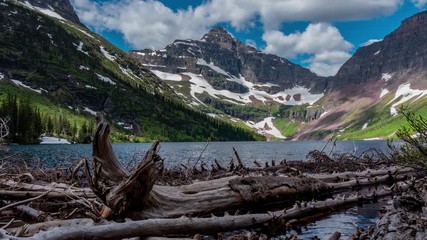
392,69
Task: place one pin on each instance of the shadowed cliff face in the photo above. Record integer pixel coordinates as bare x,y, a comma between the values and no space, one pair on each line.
405,48
220,49
62,7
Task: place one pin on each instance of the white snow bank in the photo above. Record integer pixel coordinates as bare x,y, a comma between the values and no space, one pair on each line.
1,76
105,79
266,126
107,54
53,140
405,93
200,85
80,48
21,84
167,76
384,92
386,76
92,112
212,66
84,68
365,126
49,12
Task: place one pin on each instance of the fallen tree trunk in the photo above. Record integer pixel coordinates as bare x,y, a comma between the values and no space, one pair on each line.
186,225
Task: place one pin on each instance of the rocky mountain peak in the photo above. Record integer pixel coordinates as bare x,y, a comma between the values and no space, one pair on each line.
219,35
415,24
61,7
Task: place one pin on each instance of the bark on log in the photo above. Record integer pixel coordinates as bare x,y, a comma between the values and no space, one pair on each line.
185,225
112,183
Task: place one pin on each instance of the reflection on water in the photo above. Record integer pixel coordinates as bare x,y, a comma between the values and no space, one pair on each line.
345,222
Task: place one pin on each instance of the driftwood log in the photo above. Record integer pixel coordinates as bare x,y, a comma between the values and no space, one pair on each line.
87,229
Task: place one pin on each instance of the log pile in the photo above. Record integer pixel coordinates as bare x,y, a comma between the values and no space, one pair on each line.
112,202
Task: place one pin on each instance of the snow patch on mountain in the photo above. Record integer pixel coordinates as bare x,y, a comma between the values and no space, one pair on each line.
80,48
105,79
81,67
405,93
167,76
384,92
294,96
90,111
49,12
212,66
266,126
365,126
21,84
386,76
1,76
106,54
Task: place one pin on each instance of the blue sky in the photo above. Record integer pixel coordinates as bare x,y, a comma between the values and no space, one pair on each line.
318,34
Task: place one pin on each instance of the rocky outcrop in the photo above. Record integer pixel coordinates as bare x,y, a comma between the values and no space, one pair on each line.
219,54
62,7
306,115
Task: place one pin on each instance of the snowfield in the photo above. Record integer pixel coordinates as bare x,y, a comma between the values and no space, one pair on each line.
21,84
90,111
167,76
384,92
80,48
105,79
386,76
405,93
49,12
199,85
106,54
266,126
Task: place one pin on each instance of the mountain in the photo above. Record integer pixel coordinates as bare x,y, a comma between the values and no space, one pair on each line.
55,8
227,64
46,55
378,79
220,75
224,77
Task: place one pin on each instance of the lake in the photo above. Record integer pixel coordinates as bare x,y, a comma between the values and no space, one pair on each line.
175,154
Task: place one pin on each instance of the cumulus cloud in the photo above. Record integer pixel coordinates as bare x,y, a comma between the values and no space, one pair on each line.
323,42
150,24
144,24
419,3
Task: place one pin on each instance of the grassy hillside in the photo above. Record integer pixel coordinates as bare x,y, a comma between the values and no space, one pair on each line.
77,72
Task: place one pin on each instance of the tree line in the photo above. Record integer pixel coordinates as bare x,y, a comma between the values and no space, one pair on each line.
27,123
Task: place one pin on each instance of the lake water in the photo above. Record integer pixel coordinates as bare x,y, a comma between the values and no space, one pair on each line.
175,154
178,153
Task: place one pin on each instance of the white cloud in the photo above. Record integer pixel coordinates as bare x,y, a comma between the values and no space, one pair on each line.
323,42
150,24
419,3
371,41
